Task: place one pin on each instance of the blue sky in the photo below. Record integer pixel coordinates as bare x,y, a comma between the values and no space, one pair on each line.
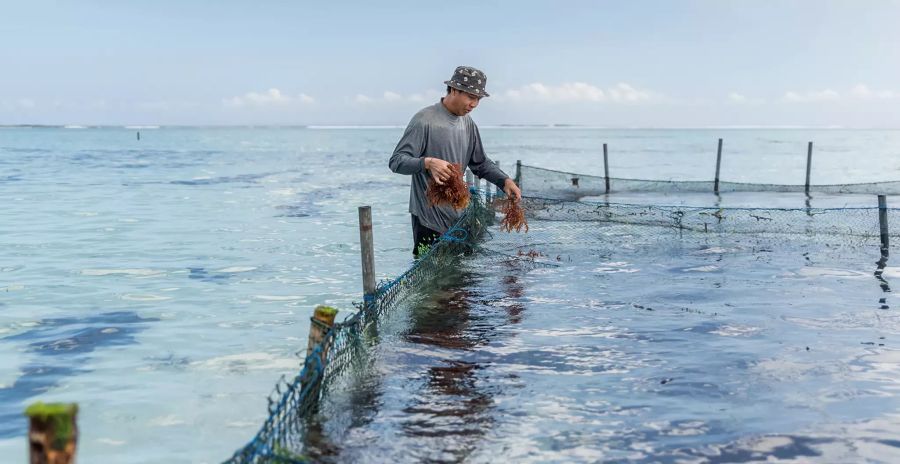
618,64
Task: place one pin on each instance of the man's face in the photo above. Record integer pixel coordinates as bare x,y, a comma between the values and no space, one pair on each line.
461,103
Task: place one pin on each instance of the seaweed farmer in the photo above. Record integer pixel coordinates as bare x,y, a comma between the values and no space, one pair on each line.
437,138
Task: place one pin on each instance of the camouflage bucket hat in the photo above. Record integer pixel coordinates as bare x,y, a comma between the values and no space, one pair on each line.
469,80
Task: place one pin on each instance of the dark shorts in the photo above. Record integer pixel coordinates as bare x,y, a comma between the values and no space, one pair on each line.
422,235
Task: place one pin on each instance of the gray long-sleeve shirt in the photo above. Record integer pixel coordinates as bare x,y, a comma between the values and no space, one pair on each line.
437,133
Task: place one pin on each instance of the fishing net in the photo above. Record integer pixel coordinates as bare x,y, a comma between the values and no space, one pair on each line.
562,185
284,435
558,229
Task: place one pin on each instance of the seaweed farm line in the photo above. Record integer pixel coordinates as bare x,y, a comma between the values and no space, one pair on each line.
165,285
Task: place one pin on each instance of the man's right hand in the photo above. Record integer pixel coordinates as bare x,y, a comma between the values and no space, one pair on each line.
441,171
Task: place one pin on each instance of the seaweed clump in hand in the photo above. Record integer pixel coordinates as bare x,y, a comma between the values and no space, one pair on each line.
514,216
453,192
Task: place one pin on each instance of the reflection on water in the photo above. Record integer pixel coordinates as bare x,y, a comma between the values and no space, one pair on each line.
450,405
63,343
694,354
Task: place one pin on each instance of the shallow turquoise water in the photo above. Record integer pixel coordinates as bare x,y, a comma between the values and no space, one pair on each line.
165,284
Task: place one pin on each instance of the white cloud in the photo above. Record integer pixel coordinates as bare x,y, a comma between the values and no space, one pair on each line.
627,93
809,97
391,96
576,92
271,97
863,91
737,98
394,97
741,99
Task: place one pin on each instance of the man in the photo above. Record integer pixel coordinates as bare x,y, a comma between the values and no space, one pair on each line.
436,137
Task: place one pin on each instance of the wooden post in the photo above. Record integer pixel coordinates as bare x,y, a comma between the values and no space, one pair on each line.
606,167
367,251
52,433
319,324
883,224
718,165
139,135
519,173
808,165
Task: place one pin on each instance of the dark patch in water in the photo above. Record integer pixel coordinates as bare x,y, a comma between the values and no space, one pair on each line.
25,150
796,448
296,210
63,341
241,178
305,204
35,379
199,273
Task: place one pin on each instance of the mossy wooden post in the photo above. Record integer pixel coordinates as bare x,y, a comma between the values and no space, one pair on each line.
319,325
367,252
52,433
718,166
808,165
606,167
518,178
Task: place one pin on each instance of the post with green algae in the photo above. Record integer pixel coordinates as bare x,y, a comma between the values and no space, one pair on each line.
52,433
319,325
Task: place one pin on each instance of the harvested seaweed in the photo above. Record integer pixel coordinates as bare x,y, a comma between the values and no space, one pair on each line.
453,192
514,216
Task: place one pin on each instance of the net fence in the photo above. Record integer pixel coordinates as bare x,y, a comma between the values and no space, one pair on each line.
559,228
563,185
283,438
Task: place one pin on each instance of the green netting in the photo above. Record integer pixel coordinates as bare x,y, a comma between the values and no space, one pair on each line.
557,226
851,223
283,436
548,183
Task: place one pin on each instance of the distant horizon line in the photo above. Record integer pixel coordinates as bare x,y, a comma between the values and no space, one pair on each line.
398,126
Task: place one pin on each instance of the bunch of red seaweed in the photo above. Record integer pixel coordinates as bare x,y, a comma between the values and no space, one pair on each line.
514,216
453,192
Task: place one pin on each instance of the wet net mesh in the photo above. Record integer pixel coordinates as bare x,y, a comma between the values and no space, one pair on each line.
282,437
562,185
557,226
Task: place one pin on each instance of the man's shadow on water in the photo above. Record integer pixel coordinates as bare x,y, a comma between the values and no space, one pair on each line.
456,399
63,343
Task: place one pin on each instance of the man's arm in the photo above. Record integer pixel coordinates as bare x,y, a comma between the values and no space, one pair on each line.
408,157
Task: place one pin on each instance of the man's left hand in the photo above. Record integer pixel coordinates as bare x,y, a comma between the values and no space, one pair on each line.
512,190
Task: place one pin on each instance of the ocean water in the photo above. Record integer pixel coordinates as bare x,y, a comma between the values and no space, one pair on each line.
165,285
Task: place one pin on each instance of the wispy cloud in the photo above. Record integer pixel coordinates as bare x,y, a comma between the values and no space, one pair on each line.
271,97
571,92
741,99
811,97
389,96
864,92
